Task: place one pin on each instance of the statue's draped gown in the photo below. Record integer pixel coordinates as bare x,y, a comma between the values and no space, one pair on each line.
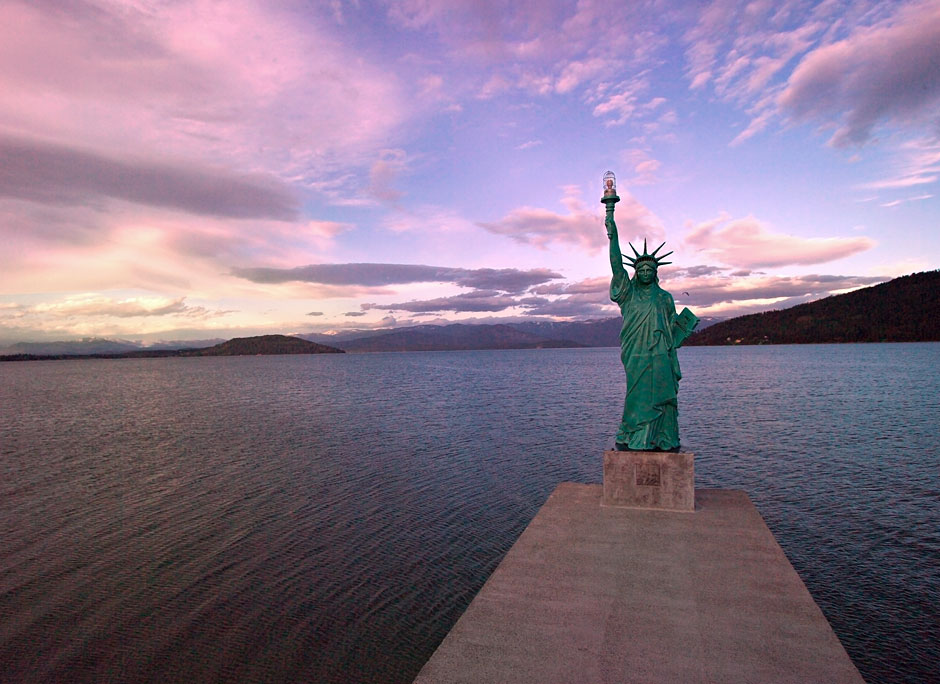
650,411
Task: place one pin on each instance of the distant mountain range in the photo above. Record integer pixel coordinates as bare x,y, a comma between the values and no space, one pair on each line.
451,337
905,309
528,335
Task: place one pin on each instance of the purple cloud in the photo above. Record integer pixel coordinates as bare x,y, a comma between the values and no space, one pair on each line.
483,300
575,307
699,271
56,174
376,275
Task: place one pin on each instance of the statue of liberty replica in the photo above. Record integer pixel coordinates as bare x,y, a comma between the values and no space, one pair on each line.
650,334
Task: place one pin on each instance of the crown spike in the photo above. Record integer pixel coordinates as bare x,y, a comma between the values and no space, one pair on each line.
646,256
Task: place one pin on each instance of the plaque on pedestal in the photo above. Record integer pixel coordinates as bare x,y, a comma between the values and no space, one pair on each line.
649,479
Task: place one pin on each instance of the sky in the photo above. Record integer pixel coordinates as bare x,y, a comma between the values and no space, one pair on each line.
180,170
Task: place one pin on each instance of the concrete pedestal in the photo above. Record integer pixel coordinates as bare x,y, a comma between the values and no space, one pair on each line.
649,479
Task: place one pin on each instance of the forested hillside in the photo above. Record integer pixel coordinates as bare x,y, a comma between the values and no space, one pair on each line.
905,309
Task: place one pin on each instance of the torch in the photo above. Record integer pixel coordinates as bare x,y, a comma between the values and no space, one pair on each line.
609,199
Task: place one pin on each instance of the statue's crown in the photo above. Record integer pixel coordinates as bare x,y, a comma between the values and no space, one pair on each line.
657,261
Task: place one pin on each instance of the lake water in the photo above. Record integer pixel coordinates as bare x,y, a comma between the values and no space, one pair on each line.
328,518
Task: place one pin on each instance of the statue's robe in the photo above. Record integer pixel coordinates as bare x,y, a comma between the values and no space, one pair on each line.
648,352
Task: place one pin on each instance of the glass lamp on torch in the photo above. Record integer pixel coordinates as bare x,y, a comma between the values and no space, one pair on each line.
610,190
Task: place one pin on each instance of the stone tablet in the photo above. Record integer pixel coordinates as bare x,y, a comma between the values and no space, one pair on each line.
649,479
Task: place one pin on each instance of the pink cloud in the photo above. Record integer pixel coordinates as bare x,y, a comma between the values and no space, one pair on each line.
746,50
905,181
581,226
644,166
118,245
621,106
586,286
747,243
541,47
915,198
232,84
886,73
705,40
383,174
755,126
576,72
481,31
618,104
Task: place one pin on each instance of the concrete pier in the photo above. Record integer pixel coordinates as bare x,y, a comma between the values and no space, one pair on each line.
592,593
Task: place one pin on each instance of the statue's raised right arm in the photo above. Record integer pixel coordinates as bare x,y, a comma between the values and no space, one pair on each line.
621,280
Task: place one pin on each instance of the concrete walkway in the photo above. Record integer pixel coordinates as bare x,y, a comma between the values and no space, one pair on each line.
593,594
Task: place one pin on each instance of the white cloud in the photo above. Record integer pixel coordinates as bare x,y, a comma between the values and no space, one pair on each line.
916,162
916,198
92,305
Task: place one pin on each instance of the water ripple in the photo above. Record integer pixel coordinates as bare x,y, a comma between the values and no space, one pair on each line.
328,518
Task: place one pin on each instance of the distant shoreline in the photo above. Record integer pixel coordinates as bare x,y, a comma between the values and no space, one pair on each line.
187,353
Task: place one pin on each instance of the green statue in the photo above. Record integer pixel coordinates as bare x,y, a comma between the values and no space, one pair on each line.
650,334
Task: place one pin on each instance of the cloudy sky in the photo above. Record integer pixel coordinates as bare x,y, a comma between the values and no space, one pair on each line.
193,169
